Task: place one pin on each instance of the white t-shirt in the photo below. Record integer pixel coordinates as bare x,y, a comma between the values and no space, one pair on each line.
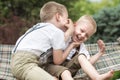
42,38
82,50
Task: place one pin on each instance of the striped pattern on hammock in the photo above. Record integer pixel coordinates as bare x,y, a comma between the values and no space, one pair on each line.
110,60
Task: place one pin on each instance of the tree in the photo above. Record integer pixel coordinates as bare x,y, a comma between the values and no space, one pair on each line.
108,21
28,9
16,16
81,7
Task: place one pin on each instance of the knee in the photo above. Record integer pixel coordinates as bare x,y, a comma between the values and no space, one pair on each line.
66,72
66,75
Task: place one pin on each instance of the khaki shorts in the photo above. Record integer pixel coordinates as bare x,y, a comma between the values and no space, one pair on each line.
73,66
24,66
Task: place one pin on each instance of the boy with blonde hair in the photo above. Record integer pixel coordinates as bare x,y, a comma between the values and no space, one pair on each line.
85,27
44,39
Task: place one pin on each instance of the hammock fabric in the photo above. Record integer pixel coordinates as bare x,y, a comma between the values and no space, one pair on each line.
110,60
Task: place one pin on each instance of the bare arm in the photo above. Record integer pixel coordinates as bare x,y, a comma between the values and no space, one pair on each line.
59,56
101,46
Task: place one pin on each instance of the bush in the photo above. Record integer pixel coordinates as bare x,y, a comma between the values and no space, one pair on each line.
108,22
116,75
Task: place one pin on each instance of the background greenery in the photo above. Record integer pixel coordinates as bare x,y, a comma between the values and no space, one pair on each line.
16,16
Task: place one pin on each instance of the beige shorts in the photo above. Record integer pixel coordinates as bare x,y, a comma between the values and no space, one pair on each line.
25,66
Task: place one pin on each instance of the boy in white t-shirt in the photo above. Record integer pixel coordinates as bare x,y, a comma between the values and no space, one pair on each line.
44,39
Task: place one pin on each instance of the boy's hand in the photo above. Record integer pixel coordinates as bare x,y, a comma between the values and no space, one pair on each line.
69,25
70,29
101,46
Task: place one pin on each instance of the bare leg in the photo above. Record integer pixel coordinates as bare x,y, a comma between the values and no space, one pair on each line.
91,71
106,76
66,75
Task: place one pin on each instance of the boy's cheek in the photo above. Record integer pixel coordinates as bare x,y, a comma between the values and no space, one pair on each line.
85,39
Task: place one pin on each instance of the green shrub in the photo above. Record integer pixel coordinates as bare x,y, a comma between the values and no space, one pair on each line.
116,75
108,24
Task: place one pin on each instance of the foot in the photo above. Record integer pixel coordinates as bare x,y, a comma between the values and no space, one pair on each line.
106,76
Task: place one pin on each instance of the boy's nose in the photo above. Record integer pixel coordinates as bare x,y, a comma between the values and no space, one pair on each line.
83,35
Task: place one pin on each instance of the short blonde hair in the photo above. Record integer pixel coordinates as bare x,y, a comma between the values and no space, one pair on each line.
50,9
88,19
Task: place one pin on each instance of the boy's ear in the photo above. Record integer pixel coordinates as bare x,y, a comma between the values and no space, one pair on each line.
58,16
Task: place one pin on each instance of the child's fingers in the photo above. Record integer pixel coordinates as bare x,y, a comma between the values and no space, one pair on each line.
69,23
100,43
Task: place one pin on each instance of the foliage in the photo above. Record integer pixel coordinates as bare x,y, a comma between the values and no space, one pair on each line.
14,27
82,7
116,75
28,9
16,16
108,21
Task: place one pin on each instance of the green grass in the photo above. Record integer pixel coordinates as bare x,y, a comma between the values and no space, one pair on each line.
116,75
